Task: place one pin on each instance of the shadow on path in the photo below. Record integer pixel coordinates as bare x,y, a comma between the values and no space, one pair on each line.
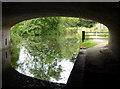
95,68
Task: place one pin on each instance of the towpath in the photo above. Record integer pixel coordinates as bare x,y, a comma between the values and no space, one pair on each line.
95,68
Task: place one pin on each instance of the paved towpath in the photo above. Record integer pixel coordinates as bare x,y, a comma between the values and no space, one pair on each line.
95,68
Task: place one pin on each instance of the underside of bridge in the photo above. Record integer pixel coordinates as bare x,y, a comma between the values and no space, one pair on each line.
105,13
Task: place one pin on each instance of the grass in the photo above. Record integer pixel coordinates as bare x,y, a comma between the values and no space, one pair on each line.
88,44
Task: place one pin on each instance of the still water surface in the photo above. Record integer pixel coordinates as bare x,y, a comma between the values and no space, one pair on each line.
48,57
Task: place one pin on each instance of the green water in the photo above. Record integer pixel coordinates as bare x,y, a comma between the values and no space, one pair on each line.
48,57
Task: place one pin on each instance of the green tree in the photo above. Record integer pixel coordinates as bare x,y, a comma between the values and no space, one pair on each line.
36,26
86,23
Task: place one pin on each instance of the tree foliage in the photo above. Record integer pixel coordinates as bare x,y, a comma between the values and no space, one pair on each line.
36,26
48,25
86,23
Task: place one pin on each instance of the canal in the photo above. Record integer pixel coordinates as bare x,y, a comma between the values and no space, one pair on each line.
47,57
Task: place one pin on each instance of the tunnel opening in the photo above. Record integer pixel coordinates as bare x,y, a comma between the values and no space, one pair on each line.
107,74
46,48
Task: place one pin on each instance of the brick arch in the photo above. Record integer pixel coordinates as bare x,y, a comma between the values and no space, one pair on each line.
104,13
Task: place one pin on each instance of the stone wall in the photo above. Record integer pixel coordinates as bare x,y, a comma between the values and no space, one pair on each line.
0,39
5,38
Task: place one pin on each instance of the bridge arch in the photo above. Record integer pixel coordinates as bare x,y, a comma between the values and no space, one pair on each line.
104,13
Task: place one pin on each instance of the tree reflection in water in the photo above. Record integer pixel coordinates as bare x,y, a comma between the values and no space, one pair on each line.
47,57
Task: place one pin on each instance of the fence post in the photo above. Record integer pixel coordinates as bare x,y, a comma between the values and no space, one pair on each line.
83,36
96,35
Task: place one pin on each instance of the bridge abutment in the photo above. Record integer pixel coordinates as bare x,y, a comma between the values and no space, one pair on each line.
114,42
5,41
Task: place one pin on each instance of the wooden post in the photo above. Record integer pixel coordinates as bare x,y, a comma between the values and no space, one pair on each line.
96,35
83,36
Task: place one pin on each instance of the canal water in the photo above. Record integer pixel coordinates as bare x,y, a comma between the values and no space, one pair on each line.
48,57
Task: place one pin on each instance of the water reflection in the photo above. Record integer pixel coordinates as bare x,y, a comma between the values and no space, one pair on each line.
49,58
